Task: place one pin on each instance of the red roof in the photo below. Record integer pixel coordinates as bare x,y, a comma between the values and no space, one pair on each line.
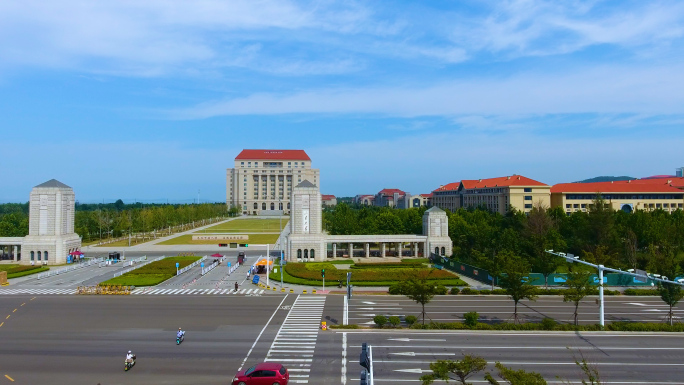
448,187
614,187
426,195
391,191
273,155
504,181
674,181
327,197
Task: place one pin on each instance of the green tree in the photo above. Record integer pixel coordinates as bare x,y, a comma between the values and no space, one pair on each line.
515,377
420,290
458,371
578,287
516,282
664,261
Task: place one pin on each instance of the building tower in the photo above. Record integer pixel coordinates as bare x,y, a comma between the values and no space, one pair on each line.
306,241
436,228
51,224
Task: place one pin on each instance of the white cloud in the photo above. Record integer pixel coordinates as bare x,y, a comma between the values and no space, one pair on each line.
597,90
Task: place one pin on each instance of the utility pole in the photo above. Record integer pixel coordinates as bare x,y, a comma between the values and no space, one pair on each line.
198,192
268,258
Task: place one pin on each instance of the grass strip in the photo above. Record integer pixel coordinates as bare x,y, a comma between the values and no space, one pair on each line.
151,274
23,272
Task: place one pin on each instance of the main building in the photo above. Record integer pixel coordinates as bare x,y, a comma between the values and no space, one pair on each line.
261,181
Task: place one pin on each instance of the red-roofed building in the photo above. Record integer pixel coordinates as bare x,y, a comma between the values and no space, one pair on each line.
447,197
366,200
262,180
388,197
501,194
329,200
638,194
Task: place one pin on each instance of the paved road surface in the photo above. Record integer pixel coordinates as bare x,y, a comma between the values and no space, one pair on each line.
82,340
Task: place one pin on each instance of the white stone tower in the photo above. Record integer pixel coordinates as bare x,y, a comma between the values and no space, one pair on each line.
306,240
51,224
436,227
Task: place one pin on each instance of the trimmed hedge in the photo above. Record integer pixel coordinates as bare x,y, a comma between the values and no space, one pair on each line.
469,291
352,326
615,326
641,292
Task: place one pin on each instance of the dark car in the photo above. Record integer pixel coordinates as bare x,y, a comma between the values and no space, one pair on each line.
267,373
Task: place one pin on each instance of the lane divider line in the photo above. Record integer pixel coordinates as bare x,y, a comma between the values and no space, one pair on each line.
2,324
14,311
9,378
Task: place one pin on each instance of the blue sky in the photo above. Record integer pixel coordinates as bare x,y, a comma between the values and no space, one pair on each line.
153,100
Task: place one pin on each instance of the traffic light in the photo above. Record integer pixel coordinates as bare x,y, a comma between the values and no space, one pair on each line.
323,273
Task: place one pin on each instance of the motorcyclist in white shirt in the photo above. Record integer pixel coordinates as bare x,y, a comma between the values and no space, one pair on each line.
130,357
180,333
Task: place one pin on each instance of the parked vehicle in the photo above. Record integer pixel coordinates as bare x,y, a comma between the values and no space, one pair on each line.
267,373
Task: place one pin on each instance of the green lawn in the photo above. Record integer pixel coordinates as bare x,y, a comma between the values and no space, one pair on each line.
310,274
16,271
248,226
257,239
151,274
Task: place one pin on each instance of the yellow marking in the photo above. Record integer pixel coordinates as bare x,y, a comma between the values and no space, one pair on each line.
9,378
32,299
7,317
23,304
1,324
14,310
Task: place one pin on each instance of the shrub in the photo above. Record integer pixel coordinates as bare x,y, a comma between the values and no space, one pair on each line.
380,320
499,291
549,323
641,292
410,319
485,292
470,319
394,290
468,291
455,290
441,290
352,326
394,321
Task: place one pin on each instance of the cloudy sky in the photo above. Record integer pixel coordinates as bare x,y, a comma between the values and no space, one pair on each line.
152,100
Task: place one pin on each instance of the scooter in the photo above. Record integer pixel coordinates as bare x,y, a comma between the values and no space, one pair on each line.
128,365
339,284
180,339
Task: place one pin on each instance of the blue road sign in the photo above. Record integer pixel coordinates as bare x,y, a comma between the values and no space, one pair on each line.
202,264
229,265
177,264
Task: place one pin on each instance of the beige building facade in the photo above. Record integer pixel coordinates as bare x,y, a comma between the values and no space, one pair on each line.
262,180
627,196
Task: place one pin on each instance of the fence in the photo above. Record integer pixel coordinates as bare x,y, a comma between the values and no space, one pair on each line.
537,279
233,268
190,266
81,265
124,271
211,267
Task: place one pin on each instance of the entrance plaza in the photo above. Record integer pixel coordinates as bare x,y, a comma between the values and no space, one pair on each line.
307,242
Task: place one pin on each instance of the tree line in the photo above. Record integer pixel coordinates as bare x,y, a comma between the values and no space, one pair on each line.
94,222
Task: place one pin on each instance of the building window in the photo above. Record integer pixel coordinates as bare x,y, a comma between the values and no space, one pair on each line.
306,254
263,206
256,205
288,205
528,189
528,197
272,206
528,205
567,206
46,255
313,254
299,253
39,255
33,255
437,250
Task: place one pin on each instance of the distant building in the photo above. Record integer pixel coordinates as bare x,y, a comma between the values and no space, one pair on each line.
680,172
262,180
447,197
329,200
496,194
365,200
388,197
628,196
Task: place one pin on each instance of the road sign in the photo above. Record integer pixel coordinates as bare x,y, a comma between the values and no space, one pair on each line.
177,265
640,279
228,265
202,264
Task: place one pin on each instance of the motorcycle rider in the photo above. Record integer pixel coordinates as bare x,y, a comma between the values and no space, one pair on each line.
130,357
180,334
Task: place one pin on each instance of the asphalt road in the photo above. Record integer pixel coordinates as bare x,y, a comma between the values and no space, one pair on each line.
82,340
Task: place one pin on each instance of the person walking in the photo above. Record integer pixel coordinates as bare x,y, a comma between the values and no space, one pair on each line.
236,286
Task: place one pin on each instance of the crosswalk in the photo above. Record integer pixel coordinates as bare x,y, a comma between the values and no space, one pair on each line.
147,291
295,342
139,291
37,291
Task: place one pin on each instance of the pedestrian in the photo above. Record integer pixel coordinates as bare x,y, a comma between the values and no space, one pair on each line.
236,286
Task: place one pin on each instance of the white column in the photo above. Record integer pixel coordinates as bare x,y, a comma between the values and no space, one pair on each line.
383,249
15,252
351,250
367,248
415,249
399,249
334,250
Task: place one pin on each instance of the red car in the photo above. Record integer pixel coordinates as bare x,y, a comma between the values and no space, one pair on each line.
267,373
